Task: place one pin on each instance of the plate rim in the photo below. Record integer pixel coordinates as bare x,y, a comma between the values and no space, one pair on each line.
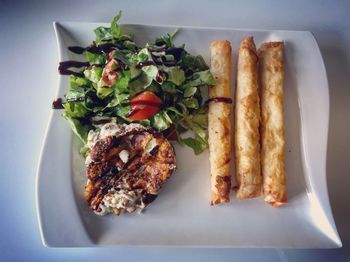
326,207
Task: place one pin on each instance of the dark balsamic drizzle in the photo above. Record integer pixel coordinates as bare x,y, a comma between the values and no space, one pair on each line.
148,198
161,76
104,48
57,104
219,99
143,64
64,67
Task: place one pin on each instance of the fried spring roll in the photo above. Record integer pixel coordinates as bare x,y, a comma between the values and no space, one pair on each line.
272,125
247,118
219,123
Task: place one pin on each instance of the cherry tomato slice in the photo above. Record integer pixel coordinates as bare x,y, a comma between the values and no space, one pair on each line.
144,105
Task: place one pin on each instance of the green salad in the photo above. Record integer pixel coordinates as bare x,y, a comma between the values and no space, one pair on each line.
159,85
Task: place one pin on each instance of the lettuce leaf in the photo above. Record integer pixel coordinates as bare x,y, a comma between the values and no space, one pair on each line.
161,121
195,63
122,83
93,74
93,58
77,88
79,130
76,109
201,78
103,34
116,31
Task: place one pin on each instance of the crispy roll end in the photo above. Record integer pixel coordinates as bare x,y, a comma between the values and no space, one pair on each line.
219,124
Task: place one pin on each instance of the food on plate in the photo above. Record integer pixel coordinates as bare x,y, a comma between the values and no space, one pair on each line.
126,168
246,122
272,123
158,85
219,122
123,103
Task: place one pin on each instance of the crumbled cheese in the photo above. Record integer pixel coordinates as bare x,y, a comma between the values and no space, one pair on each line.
92,138
151,144
124,155
109,129
122,199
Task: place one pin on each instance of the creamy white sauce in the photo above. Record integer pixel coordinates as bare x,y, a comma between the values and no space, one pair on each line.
122,199
111,129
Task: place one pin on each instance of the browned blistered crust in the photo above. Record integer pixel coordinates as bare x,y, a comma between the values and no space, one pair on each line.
272,123
219,123
246,119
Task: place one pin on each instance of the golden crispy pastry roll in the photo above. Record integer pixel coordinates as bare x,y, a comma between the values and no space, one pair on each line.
219,123
272,125
247,118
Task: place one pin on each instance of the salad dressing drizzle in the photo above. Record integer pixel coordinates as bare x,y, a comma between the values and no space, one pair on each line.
143,64
57,104
104,48
226,100
64,67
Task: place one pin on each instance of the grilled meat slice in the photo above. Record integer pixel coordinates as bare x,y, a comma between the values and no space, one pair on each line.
127,168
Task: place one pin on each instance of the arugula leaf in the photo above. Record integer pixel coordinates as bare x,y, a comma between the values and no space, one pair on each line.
140,83
150,70
169,87
200,117
175,75
103,34
195,63
191,103
130,45
197,145
201,78
115,28
122,112
190,91
161,121
168,39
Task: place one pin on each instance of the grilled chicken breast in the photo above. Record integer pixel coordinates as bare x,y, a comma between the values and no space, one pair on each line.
126,168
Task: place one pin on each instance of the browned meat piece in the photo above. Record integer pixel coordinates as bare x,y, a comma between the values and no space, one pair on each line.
127,170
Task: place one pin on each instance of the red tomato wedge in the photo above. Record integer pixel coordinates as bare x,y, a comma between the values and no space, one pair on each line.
144,105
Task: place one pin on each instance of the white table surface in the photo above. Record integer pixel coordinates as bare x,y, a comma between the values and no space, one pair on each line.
28,82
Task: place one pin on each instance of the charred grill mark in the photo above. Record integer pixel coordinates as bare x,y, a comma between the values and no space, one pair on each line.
148,198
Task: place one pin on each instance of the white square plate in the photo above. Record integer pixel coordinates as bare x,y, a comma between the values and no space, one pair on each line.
182,215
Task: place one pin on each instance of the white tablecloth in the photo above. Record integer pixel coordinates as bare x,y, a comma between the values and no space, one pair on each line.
28,82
